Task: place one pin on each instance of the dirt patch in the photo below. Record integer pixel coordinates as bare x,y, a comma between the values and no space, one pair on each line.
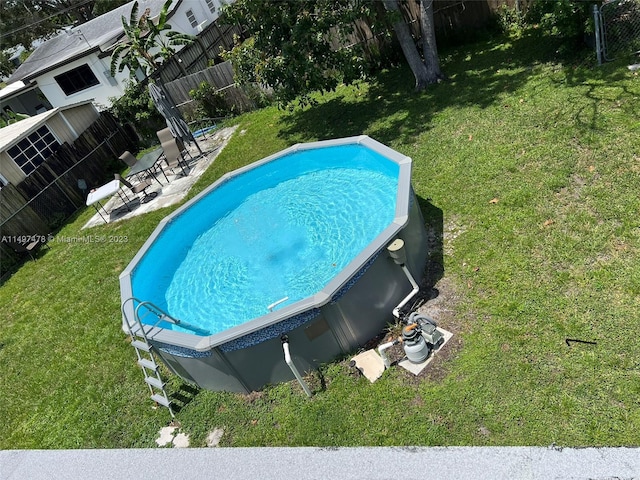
451,230
442,306
252,397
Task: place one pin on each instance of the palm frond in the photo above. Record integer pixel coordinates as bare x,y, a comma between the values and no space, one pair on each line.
145,36
182,41
125,26
184,38
116,57
162,19
133,18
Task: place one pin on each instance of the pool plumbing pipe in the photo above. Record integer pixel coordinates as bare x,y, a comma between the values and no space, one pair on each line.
383,354
399,256
287,359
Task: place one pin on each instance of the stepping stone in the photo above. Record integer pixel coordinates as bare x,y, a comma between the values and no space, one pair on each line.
181,440
166,436
214,437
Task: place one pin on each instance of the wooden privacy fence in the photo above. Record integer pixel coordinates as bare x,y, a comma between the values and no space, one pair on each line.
450,17
51,193
187,69
221,77
202,53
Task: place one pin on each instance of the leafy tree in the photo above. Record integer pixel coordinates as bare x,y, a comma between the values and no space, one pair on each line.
426,69
567,20
148,43
297,46
209,101
6,67
136,107
23,21
104,6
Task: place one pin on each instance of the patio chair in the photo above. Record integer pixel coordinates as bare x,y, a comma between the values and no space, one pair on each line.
165,135
31,248
173,156
128,158
140,187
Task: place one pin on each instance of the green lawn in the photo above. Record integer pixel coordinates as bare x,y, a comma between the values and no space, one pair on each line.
528,167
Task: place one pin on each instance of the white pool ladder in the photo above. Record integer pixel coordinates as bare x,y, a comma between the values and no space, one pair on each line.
139,332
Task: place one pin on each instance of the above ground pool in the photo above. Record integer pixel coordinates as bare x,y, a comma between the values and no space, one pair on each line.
294,245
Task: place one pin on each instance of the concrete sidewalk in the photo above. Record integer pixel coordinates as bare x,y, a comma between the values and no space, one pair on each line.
362,463
171,193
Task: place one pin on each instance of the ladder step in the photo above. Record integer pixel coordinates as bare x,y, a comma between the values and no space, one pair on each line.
149,364
141,345
155,382
161,400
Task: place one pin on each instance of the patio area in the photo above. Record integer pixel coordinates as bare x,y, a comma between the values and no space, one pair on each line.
160,196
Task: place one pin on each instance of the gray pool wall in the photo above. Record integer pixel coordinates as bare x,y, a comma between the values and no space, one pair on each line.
337,329
351,310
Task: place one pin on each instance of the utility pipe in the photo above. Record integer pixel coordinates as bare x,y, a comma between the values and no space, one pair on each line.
287,359
597,19
416,289
382,351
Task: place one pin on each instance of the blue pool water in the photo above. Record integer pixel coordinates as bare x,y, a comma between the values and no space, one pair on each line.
283,229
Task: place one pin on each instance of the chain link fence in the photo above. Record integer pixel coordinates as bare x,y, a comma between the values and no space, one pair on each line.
57,188
49,209
617,24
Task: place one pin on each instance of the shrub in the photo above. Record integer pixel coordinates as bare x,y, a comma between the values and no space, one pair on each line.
568,20
210,102
511,20
136,108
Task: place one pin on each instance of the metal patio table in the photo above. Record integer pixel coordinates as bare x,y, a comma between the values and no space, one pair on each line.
147,163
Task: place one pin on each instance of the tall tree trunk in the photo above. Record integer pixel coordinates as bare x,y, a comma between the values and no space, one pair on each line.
407,44
429,48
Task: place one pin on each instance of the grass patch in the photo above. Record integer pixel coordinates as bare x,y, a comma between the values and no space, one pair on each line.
532,162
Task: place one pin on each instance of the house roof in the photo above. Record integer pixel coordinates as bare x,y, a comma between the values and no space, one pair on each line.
11,134
97,34
14,89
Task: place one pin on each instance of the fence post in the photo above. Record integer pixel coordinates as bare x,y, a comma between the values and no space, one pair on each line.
597,21
73,204
222,36
203,49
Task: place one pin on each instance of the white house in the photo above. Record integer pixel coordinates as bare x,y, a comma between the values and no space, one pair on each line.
75,65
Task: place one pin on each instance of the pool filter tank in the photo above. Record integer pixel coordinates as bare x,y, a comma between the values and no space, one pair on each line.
415,346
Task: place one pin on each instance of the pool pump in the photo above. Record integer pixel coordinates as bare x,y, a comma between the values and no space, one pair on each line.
420,336
430,332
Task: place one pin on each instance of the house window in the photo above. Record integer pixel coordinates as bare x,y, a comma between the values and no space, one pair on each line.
192,18
76,80
212,6
34,149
